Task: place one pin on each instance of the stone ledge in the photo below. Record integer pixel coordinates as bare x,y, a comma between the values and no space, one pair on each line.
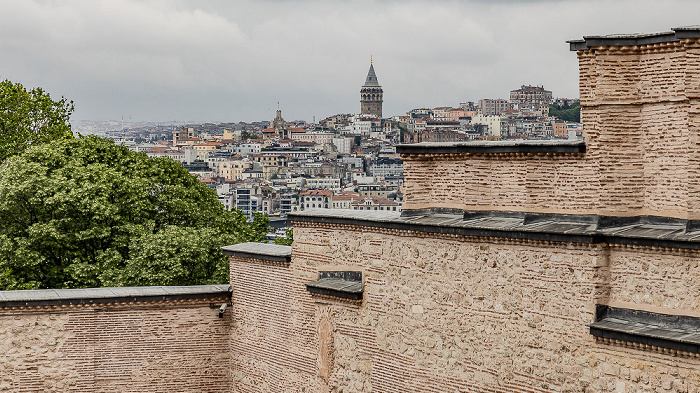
86,296
495,147
634,231
346,285
675,35
681,333
267,252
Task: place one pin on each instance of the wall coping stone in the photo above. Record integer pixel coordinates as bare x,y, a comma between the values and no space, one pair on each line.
642,231
495,147
342,284
82,296
675,35
661,330
268,252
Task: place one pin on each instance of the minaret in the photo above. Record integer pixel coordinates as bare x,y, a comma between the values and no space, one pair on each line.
371,94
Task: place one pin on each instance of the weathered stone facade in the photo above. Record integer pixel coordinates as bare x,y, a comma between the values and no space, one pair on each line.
444,312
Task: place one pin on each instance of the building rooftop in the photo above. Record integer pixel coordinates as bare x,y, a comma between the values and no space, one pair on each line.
316,192
371,80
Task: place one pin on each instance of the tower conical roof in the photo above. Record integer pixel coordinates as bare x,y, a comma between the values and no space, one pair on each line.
371,77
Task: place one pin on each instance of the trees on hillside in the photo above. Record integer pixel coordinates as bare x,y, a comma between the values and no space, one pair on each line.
565,112
88,213
28,118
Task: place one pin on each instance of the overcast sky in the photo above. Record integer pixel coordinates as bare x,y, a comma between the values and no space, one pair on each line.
234,60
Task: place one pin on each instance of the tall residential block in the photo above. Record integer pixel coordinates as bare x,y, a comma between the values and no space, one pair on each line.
491,107
528,97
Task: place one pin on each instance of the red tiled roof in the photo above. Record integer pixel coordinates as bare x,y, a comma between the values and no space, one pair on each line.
345,197
316,192
347,193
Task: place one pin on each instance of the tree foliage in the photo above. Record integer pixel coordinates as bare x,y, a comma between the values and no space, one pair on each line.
88,213
565,112
245,135
28,118
288,238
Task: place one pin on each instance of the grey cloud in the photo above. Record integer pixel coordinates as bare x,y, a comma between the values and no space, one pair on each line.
233,60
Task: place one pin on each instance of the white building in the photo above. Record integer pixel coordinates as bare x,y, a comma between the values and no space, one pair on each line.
343,145
386,167
245,149
362,125
497,125
326,183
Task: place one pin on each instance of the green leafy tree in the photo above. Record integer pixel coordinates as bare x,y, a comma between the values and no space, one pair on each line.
88,213
565,112
288,238
245,135
28,118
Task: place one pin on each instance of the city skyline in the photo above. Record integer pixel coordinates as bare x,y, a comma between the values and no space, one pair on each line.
222,61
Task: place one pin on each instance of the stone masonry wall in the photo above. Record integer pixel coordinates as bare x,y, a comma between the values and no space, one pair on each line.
170,346
636,109
453,313
655,280
508,182
641,114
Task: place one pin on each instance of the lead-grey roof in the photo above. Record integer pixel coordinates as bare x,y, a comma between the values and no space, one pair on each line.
272,252
664,330
108,294
648,330
371,80
675,34
337,285
653,231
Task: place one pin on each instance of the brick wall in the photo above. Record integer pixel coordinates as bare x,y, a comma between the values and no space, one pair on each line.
641,114
274,338
168,346
502,182
637,120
